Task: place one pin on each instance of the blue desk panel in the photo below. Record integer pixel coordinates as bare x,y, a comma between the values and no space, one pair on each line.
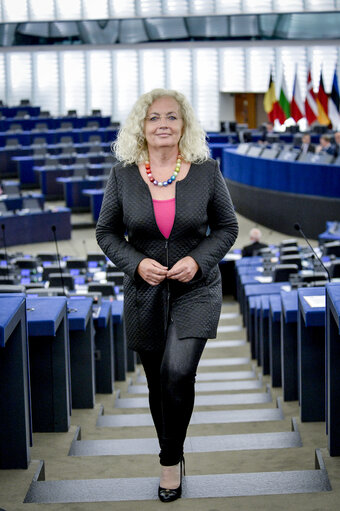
15,423
12,111
311,356
121,352
96,198
289,346
49,363
81,332
275,339
14,202
290,177
104,345
74,186
333,367
36,227
264,334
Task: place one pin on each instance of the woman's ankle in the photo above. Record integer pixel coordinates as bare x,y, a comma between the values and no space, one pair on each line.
170,476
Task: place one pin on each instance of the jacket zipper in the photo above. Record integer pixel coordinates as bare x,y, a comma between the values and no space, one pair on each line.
167,282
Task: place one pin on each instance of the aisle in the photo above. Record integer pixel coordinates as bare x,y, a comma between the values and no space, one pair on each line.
246,450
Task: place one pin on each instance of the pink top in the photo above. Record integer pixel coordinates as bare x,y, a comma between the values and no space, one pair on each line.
165,215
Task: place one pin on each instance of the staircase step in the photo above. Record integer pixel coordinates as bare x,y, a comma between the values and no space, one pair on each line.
230,315
225,344
229,328
199,486
209,387
230,361
215,376
208,443
213,417
206,400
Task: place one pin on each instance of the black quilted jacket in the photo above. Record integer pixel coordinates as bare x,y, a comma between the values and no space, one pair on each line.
205,228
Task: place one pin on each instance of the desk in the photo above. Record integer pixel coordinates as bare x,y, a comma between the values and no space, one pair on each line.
47,177
311,356
243,279
292,177
275,340
8,165
289,350
74,186
124,357
264,334
262,289
49,363
35,227
96,198
81,333
14,202
332,367
15,426
104,349
216,149
12,111
332,233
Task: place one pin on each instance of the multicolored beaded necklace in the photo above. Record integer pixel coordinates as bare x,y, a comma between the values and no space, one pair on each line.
170,180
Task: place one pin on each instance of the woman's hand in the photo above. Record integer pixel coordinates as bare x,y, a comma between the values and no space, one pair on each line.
184,270
152,271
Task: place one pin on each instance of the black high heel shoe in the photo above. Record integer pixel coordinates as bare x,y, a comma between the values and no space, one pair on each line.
169,495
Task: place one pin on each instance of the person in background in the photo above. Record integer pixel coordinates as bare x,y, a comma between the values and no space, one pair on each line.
167,220
306,145
255,245
337,143
325,146
266,129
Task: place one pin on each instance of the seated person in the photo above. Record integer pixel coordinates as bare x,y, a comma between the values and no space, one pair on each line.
337,143
325,146
255,245
306,145
266,129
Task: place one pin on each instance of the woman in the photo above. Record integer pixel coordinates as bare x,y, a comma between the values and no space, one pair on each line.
159,204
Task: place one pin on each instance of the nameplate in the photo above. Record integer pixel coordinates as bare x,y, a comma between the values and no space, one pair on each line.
316,301
264,280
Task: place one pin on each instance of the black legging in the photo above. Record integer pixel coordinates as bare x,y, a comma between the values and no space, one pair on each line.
171,381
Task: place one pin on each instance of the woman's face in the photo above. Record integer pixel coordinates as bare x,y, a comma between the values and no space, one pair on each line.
163,125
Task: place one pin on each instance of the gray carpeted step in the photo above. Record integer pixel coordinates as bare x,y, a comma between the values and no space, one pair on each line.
201,486
230,315
229,328
225,344
209,387
207,400
134,446
215,376
215,417
230,361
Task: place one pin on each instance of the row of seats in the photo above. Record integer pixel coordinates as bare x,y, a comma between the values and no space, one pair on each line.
45,275
285,153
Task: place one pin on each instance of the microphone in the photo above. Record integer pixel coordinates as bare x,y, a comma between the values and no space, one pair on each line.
54,230
3,227
298,228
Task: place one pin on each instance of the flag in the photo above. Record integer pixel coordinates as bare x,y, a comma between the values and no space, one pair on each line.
322,102
284,110
311,107
333,104
270,100
297,107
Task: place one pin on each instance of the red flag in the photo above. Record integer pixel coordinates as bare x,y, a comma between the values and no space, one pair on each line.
310,102
322,103
279,113
297,108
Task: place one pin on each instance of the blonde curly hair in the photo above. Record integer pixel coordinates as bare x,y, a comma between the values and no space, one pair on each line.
131,146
